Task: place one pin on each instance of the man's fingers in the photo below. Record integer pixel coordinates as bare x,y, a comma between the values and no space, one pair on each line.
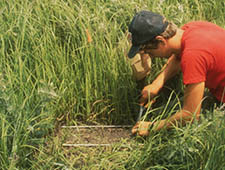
144,94
149,103
135,128
134,131
143,101
144,97
141,128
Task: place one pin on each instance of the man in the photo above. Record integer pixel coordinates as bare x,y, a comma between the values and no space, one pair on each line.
196,49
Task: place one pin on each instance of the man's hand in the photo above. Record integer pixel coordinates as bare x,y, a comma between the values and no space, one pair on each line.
148,93
141,128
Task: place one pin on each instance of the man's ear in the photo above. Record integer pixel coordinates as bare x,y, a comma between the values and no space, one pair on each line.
161,39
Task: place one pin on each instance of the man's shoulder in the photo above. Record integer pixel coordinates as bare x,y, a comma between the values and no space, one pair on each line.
197,24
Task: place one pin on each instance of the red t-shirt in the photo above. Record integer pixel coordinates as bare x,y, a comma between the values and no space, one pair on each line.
203,56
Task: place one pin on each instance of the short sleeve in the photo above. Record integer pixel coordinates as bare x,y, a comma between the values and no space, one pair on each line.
193,67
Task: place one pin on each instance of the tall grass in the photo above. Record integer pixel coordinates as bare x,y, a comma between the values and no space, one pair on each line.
50,72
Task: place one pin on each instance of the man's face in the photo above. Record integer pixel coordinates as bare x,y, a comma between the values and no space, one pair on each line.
161,51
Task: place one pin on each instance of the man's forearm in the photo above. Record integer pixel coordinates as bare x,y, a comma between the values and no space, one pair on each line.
191,108
181,117
170,69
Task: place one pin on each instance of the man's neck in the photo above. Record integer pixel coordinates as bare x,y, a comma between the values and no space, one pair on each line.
175,42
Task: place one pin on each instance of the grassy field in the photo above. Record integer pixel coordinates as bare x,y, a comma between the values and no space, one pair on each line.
63,62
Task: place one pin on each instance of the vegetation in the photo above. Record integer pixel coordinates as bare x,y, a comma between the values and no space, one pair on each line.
64,62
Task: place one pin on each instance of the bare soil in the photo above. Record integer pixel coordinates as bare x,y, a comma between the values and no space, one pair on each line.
95,135
117,139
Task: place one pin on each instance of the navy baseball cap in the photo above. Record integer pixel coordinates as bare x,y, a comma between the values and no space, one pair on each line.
145,26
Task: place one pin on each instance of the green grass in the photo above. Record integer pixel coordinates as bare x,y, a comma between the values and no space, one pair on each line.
50,74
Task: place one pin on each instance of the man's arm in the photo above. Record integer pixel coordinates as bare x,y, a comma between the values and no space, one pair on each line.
170,69
191,110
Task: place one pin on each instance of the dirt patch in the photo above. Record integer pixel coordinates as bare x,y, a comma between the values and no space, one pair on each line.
95,135
119,140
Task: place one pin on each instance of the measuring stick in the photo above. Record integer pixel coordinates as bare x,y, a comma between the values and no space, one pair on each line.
99,126
86,145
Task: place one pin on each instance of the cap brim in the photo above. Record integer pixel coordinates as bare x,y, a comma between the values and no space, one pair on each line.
133,51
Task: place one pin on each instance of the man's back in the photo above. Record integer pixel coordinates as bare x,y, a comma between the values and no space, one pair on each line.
203,56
